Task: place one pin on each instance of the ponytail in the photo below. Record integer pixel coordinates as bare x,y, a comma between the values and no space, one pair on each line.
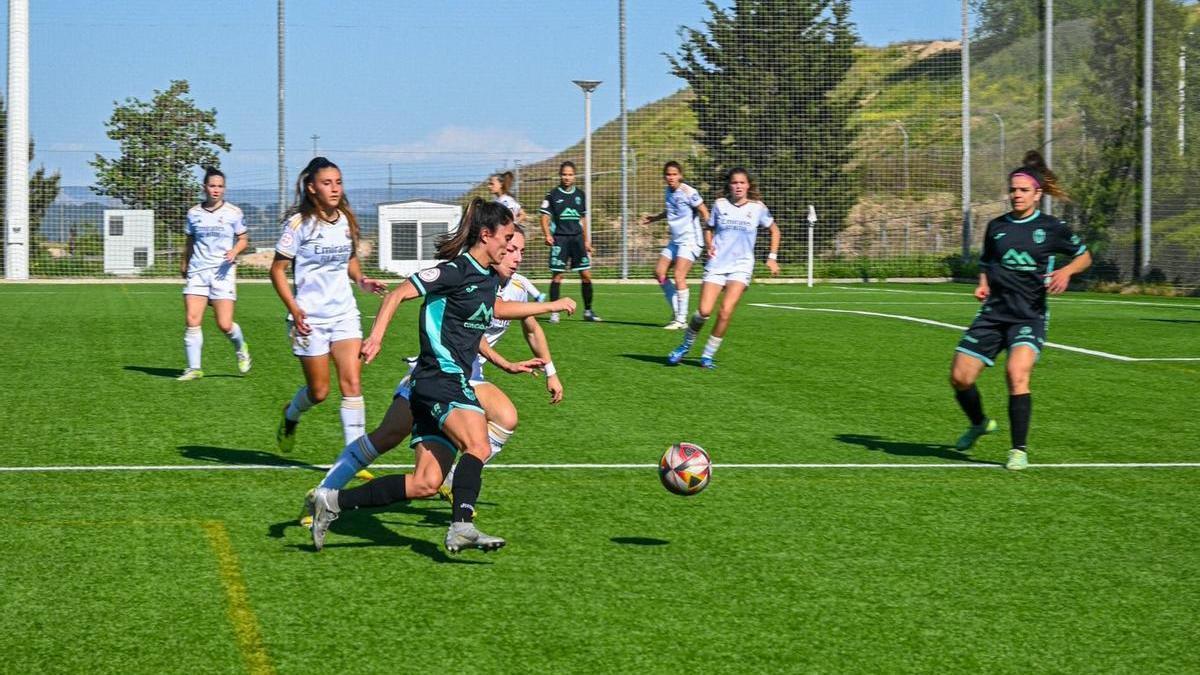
506,182
1034,166
480,215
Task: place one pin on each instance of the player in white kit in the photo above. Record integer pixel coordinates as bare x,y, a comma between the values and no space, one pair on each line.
684,212
319,241
500,185
732,230
216,234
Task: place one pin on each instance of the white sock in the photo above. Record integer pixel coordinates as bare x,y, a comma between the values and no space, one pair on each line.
235,336
300,403
710,349
668,289
497,437
354,418
355,457
681,304
193,341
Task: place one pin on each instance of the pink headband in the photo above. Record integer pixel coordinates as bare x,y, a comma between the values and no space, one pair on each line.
1029,176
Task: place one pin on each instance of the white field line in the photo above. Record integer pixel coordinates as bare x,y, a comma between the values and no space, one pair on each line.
1177,305
640,467
931,322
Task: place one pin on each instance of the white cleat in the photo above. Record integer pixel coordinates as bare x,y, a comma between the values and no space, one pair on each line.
466,535
325,511
675,325
190,374
243,359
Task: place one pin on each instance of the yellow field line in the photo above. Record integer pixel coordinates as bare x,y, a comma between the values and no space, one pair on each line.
241,615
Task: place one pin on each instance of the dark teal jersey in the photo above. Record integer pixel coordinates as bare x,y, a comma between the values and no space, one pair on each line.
1018,257
460,297
565,208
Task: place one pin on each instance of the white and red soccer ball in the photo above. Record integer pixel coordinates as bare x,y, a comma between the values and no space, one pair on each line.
685,469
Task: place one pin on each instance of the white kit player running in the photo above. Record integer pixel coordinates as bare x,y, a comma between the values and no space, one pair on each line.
216,235
319,241
732,230
684,212
500,185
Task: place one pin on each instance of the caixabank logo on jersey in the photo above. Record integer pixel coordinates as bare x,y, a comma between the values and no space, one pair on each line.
481,319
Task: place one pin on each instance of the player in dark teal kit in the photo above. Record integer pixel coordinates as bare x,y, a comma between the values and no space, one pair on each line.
565,226
1023,258
460,302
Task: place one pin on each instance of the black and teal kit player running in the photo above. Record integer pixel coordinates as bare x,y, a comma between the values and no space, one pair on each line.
566,209
460,297
1018,257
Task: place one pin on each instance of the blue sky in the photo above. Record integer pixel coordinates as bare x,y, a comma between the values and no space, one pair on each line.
378,81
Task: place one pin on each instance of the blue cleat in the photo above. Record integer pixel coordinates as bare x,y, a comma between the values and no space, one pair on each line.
677,355
707,362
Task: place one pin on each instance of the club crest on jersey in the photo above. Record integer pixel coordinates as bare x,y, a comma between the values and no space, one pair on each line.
1039,236
481,319
430,274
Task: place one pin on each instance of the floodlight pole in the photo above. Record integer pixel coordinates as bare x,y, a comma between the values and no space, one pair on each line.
1048,98
812,225
588,86
624,148
16,213
1147,132
279,141
966,131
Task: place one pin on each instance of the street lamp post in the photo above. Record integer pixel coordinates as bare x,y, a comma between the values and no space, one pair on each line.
588,86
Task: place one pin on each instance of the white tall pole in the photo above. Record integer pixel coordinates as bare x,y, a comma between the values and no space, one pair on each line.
588,86
624,151
1048,99
966,131
1147,148
812,225
1182,142
282,166
16,213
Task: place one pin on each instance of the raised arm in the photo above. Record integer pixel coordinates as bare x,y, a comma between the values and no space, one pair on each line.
387,309
489,352
516,311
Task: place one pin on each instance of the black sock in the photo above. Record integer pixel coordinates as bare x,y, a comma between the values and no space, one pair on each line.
1020,409
587,294
382,491
468,478
555,290
971,403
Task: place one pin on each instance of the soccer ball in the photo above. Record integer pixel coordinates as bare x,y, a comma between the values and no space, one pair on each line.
685,469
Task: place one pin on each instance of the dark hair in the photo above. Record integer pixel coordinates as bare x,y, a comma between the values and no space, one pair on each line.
506,181
480,215
210,171
751,193
307,208
565,164
672,164
1034,166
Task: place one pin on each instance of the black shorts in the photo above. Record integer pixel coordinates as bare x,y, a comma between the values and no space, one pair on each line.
569,252
988,334
432,399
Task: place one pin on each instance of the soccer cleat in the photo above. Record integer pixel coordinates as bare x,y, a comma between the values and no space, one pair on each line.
243,359
364,475
973,432
285,435
309,508
466,535
706,362
553,317
677,354
323,515
589,315
1017,460
675,324
190,374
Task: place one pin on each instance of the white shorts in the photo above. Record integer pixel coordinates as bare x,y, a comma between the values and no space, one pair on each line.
214,283
675,250
317,342
722,278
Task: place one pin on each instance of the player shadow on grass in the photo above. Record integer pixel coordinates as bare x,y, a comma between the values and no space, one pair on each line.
367,524
639,541
1173,320
632,323
662,360
168,372
907,449
208,453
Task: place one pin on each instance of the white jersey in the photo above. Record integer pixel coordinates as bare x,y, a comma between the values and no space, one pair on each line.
321,253
736,229
511,203
682,220
213,234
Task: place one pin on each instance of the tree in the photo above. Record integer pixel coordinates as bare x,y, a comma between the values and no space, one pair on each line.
43,188
765,73
163,142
